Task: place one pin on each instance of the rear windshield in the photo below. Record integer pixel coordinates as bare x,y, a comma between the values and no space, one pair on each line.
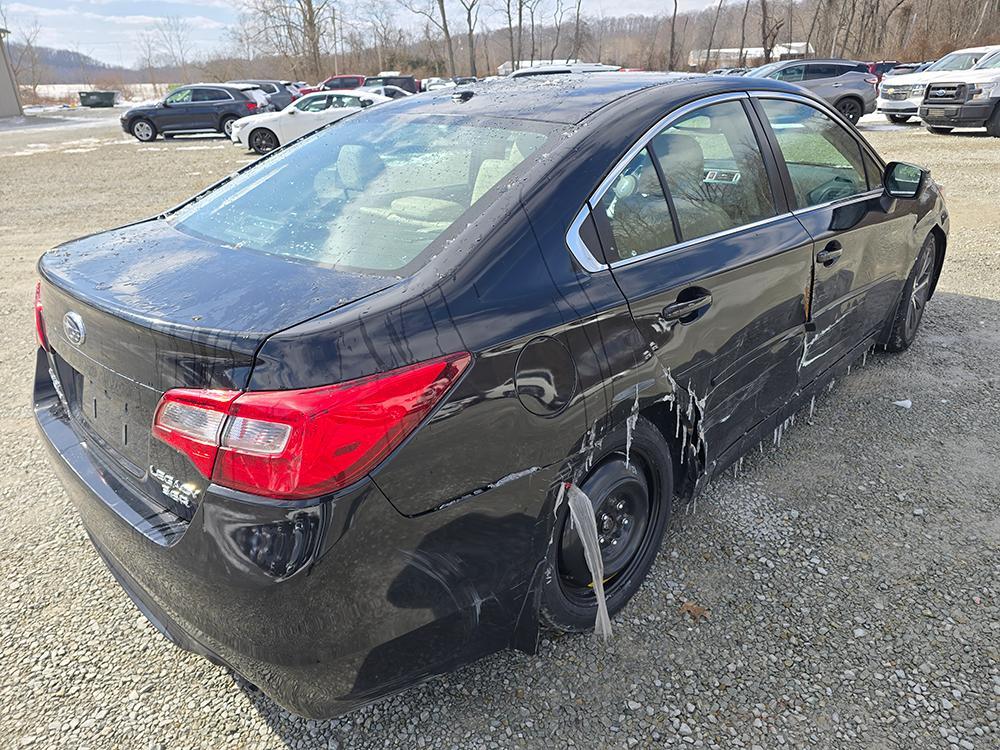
370,193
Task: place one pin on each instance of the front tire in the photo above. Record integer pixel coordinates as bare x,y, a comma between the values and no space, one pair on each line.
143,130
632,507
263,141
938,130
909,313
993,124
898,119
851,109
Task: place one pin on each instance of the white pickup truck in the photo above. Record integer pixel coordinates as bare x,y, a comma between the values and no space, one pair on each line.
899,97
970,99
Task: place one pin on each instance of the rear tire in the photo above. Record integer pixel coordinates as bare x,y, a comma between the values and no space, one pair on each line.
263,141
938,130
226,126
898,119
632,508
851,109
910,311
143,130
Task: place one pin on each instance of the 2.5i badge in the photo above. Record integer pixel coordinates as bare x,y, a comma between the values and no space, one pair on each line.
181,492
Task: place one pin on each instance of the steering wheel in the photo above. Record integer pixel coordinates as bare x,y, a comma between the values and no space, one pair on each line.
831,190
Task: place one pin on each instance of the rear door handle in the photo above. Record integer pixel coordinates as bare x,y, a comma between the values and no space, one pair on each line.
830,254
679,310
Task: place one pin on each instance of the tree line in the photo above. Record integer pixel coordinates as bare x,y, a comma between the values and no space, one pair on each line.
312,39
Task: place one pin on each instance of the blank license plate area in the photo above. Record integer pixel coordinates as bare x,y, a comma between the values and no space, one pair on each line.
116,411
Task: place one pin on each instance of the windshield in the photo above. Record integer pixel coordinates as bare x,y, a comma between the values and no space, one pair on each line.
956,61
370,193
989,63
763,71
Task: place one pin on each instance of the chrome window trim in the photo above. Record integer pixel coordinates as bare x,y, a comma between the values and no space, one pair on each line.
698,240
577,246
846,201
573,240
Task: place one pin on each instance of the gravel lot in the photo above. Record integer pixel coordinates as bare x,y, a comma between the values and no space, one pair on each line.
851,575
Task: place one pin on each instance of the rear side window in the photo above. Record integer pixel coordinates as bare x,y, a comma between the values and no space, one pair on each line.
714,170
636,212
209,95
368,194
824,161
269,88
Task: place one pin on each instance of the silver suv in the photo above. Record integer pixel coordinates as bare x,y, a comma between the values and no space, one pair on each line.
845,84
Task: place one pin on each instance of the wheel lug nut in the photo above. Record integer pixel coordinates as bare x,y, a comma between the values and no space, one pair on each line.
625,521
614,542
601,540
620,505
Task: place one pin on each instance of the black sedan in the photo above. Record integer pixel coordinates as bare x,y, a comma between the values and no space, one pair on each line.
327,422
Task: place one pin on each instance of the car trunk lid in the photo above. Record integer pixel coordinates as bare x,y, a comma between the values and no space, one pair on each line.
137,311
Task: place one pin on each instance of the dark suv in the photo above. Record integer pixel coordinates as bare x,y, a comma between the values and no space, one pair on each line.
407,83
279,93
195,108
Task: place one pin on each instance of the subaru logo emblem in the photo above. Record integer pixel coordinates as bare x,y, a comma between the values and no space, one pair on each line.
73,327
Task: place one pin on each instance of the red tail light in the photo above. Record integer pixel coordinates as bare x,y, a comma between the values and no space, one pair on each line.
251,106
873,80
43,339
303,443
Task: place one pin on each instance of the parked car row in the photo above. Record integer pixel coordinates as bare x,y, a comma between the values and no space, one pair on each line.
847,85
962,89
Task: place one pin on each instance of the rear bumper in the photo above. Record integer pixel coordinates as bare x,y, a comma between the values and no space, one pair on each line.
970,115
325,607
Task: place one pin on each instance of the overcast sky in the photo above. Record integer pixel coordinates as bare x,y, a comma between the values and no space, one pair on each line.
106,29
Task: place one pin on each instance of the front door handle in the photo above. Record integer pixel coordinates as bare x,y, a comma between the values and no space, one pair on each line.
680,310
830,254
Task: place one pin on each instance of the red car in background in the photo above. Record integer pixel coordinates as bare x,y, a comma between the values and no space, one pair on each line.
350,81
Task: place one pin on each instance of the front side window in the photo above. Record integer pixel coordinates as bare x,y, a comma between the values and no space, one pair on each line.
824,161
816,71
714,170
636,212
179,97
369,194
791,73
313,103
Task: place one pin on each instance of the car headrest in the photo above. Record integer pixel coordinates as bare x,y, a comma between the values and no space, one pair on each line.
681,157
358,165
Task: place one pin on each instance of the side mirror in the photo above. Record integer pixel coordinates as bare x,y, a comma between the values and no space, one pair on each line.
292,111
367,102
903,180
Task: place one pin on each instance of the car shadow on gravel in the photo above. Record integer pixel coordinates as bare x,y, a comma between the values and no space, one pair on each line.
775,533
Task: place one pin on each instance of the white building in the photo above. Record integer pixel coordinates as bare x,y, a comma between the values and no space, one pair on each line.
10,101
729,57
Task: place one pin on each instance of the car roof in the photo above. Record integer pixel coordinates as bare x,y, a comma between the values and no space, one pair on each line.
571,98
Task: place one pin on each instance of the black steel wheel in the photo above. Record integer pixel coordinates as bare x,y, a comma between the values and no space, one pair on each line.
917,292
631,504
851,109
263,141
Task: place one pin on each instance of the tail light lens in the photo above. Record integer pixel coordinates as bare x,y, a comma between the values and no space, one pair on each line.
251,106
303,443
43,339
873,80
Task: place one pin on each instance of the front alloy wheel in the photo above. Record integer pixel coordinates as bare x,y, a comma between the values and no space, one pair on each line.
263,141
143,130
909,313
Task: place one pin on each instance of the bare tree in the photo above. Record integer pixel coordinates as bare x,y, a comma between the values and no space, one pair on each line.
434,11
557,18
742,59
769,30
672,63
711,35
471,19
296,30
173,34
577,28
